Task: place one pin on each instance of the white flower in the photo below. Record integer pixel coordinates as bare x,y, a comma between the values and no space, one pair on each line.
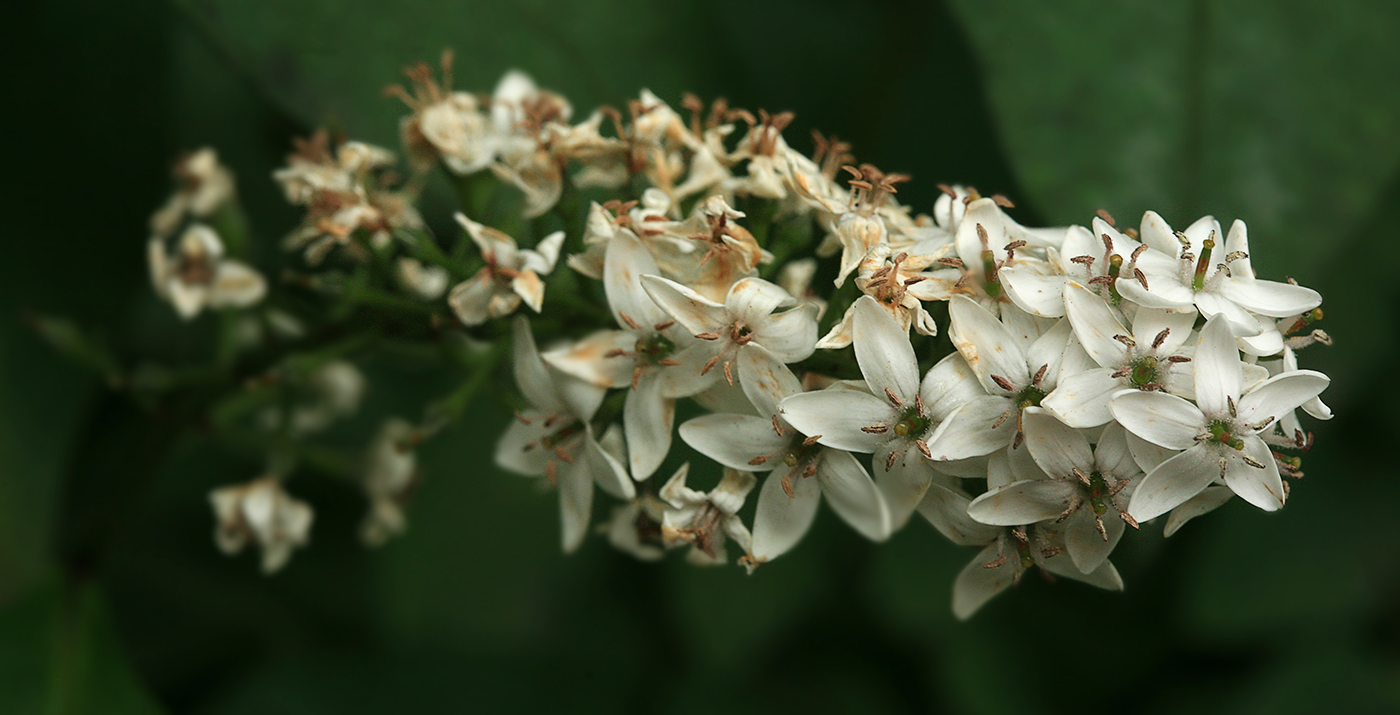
197,275
511,275
554,438
260,511
988,242
332,390
1082,486
745,318
651,354
1148,357
905,421
703,519
205,185
1017,368
1217,280
390,470
802,470
423,281
1220,433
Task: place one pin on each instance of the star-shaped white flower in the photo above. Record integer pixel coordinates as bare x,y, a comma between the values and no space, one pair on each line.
705,519
651,353
196,274
511,275
905,422
1010,553
802,470
745,318
1080,486
554,438
1217,280
1220,433
1148,357
261,512
1018,369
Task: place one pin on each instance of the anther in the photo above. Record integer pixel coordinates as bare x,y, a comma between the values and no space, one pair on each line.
1106,217
893,398
628,320
811,440
1003,383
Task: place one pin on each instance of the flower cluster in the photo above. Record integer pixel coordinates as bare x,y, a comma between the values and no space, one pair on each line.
1031,392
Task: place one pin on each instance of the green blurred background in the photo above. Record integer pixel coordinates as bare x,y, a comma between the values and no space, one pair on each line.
1286,114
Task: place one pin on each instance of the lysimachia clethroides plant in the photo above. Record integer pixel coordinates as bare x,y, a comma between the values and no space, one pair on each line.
722,333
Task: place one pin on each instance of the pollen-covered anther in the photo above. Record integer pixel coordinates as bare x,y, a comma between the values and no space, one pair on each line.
1040,375
893,398
663,325
759,460
923,448
1108,218
707,336
811,440
878,428
1161,338
1003,383
628,320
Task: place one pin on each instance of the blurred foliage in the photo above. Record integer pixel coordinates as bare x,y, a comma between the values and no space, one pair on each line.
1283,114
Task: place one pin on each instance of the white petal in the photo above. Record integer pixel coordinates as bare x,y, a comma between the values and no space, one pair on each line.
1087,547
1280,394
853,495
1148,323
904,483
624,265
1147,455
1267,342
946,509
1217,369
736,440
548,252
1056,349
1034,293
948,385
976,584
1276,300
235,284
647,418
686,379
753,298
1095,325
188,299
469,298
575,505
765,379
586,359
531,374
837,416
1157,234
883,351
517,450
1020,503
693,311
1105,576
530,288
1261,487
607,471
791,335
1207,501
1159,418
968,431
1112,456
986,344
780,521
1058,448
1166,290
1082,399
1174,481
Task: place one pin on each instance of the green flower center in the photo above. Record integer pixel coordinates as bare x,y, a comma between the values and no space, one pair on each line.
654,348
1145,371
1029,397
1220,432
912,423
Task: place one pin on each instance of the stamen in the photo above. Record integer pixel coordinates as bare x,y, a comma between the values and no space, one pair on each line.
628,320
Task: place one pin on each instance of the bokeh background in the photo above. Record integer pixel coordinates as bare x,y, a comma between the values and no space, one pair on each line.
113,598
